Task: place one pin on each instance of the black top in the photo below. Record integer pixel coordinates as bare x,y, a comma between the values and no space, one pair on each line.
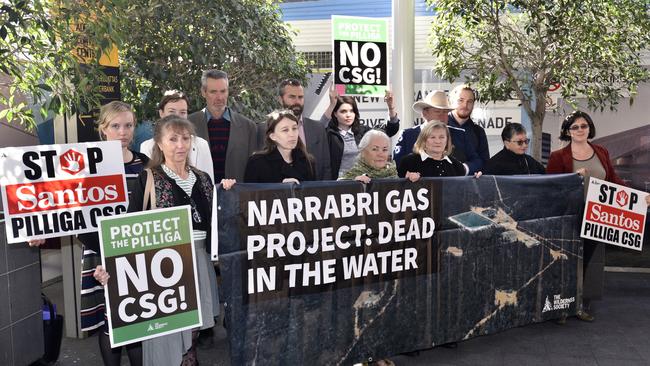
271,168
448,167
336,144
137,163
505,162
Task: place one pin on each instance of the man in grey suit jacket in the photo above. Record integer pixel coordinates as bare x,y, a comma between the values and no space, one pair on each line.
232,137
291,95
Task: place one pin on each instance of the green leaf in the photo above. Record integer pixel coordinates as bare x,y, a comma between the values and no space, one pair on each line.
45,87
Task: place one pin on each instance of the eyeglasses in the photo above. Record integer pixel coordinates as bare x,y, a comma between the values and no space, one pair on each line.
579,127
521,142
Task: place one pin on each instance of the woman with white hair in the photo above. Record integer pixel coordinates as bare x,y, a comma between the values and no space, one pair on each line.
373,160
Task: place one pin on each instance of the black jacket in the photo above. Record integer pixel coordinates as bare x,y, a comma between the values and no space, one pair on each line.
271,168
336,141
505,162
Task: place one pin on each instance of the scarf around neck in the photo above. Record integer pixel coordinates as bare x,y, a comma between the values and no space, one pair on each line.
361,168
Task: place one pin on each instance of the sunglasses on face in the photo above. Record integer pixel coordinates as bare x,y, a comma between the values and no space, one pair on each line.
521,142
579,127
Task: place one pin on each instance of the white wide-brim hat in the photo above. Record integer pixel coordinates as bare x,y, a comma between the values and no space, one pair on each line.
436,99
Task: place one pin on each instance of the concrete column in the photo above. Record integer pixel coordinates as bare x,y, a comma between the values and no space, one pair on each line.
65,131
403,42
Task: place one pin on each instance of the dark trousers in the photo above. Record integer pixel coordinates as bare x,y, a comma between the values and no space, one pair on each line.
593,265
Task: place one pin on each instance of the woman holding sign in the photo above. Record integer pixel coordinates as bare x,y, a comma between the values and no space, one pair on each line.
284,158
173,182
116,122
589,160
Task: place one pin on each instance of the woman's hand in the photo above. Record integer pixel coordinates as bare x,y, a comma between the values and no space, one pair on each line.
582,171
101,275
390,102
477,175
647,200
228,183
412,176
333,94
36,242
290,180
362,178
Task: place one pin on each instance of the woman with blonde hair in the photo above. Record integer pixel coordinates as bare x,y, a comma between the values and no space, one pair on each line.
116,121
431,155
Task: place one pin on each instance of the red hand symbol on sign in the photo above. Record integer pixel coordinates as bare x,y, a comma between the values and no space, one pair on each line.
621,198
72,162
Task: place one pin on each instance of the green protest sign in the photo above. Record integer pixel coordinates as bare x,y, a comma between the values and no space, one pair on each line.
360,55
153,289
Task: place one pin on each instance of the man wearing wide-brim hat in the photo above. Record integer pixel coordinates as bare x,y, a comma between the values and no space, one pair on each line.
435,107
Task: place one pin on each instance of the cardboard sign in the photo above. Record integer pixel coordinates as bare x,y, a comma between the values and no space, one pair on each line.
614,214
58,190
360,55
153,288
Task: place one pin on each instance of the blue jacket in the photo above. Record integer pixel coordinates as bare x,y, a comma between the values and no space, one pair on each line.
463,150
475,135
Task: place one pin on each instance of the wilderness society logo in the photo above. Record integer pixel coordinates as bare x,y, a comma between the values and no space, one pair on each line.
558,303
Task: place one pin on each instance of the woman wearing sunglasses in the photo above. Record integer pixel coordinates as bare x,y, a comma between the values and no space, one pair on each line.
589,160
513,160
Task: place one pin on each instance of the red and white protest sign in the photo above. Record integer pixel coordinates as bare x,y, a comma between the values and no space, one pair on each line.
614,214
58,190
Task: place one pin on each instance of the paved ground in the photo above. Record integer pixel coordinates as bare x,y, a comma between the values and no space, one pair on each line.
619,336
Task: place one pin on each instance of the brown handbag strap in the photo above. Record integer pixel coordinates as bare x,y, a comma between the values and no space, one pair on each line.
149,192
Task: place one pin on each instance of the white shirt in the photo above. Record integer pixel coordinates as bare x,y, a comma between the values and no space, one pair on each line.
424,156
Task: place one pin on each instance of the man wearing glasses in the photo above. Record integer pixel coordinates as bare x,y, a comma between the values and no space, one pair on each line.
291,95
232,137
176,103
513,160
462,99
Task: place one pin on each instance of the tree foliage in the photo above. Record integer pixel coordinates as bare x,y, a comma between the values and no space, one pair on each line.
517,49
171,43
37,39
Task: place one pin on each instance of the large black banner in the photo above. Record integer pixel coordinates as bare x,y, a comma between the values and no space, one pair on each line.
338,272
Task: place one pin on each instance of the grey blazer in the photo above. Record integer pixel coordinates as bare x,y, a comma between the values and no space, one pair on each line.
242,141
316,144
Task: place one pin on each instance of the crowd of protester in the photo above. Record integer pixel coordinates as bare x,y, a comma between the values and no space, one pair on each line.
188,154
